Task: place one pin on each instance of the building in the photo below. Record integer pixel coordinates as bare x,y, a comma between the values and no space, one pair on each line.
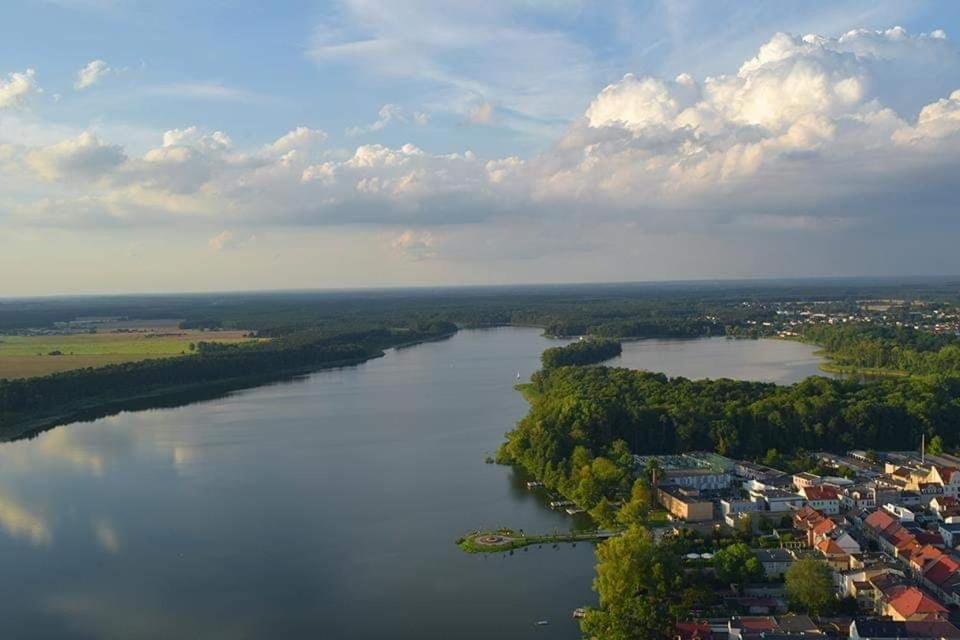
908,603
863,629
823,498
701,471
777,500
950,533
775,561
685,504
805,479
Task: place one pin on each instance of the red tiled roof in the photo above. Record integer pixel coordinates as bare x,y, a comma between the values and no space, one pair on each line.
824,526
910,601
946,473
879,520
941,570
820,492
925,555
828,547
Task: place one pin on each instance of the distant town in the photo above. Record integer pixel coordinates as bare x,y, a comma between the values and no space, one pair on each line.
886,523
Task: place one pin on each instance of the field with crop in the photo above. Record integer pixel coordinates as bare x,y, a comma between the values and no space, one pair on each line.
28,356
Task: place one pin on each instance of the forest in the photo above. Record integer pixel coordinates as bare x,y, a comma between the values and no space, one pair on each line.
585,423
31,402
869,346
582,352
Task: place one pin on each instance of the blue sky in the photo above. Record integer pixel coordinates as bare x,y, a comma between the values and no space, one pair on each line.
447,142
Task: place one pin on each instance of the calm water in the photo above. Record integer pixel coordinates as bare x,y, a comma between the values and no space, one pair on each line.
780,361
325,507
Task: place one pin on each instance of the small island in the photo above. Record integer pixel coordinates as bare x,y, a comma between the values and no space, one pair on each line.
583,352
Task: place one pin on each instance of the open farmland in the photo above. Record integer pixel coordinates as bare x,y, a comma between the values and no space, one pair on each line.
28,356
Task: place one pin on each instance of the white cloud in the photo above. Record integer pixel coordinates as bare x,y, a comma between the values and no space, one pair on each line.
82,157
17,87
91,74
389,113
797,137
415,245
226,240
299,139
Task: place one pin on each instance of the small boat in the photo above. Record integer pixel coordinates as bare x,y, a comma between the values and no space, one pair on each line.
542,623
518,375
579,613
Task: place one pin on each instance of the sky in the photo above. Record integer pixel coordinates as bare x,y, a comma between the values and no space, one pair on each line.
234,145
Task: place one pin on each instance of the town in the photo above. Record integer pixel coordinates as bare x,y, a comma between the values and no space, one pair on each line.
887,525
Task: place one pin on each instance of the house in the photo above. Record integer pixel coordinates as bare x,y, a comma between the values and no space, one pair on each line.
795,624
946,477
777,500
823,498
939,504
845,541
804,479
863,629
836,557
908,603
685,504
950,533
878,521
858,498
901,513
739,628
775,561
940,575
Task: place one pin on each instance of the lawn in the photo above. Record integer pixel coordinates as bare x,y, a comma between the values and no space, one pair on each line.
27,356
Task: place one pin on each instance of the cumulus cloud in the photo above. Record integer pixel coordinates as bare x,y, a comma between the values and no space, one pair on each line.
805,134
17,87
415,245
83,157
301,138
91,74
388,114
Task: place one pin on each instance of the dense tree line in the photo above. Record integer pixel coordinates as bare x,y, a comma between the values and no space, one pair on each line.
585,422
581,352
635,328
59,394
872,346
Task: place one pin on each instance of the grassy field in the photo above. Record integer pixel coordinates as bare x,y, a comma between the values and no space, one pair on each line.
28,356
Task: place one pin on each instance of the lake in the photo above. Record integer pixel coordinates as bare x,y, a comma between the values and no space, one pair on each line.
323,507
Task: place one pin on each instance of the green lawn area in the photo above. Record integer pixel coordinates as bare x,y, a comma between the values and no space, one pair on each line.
27,356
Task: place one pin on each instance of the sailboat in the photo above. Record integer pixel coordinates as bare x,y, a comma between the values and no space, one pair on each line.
518,375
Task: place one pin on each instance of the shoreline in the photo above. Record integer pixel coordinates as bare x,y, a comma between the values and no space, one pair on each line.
168,396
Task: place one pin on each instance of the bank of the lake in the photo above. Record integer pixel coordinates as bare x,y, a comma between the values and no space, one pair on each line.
326,506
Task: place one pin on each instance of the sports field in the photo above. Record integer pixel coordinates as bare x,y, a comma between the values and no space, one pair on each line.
28,356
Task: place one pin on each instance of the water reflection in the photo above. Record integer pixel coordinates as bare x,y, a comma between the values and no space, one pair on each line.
106,535
19,522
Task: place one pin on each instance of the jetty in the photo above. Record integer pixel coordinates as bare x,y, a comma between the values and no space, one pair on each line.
509,539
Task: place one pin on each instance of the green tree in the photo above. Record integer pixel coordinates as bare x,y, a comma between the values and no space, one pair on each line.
737,564
935,446
604,514
636,510
809,586
654,470
634,583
